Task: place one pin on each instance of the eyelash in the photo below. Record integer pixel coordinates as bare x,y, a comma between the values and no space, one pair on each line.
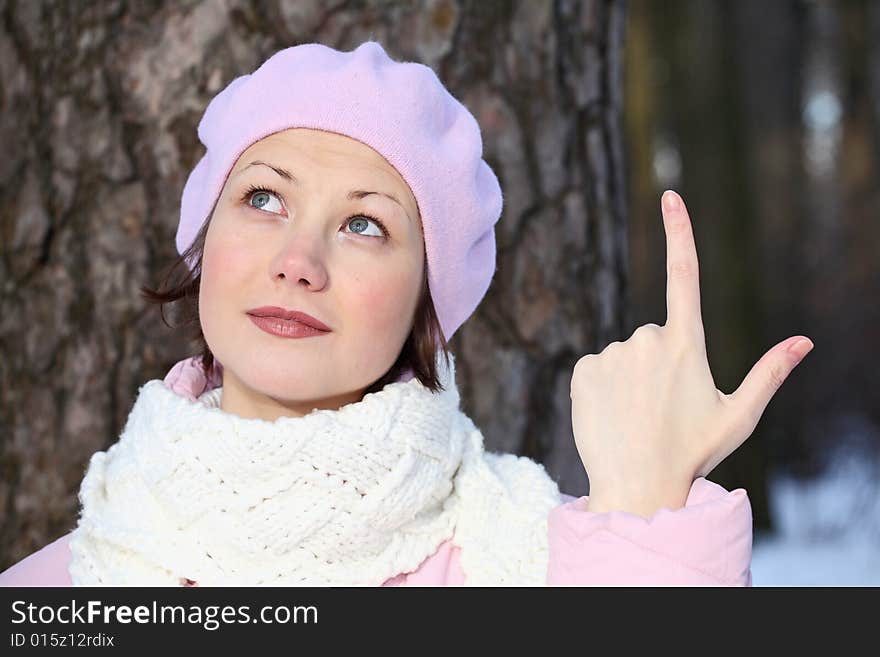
253,189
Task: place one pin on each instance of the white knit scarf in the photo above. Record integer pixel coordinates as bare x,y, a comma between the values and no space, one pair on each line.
347,497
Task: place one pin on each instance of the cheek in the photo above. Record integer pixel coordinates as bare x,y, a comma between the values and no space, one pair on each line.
383,302
224,265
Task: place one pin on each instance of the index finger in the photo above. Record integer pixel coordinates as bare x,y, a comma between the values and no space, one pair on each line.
683,311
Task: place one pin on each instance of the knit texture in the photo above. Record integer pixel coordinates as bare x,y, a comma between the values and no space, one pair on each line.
351,497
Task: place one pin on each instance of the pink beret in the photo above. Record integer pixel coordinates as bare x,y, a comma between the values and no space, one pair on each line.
402,111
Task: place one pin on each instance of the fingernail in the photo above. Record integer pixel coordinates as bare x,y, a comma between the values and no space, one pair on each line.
801,348
670,201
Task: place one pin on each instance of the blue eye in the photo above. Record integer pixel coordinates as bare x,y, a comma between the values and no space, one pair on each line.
360,218
264,193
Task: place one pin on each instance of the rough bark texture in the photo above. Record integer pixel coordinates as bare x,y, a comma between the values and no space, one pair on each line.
100,106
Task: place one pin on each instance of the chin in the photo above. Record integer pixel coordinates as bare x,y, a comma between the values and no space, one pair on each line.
279,383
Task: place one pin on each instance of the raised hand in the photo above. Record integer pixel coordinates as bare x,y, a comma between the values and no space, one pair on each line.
646,415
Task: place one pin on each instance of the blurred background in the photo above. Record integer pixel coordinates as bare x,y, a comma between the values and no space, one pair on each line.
764,115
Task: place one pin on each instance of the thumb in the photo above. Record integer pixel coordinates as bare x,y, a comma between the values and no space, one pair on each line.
766,377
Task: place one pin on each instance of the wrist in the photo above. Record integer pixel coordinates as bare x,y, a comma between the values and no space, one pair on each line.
644,502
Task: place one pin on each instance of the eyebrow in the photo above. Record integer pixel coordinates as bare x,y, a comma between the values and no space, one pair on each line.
353,194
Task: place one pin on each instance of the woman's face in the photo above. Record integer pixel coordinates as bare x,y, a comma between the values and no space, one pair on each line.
304,244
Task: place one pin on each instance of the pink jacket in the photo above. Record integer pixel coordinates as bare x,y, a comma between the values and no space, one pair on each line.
708,542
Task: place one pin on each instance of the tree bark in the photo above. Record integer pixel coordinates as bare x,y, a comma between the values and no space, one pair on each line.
550,107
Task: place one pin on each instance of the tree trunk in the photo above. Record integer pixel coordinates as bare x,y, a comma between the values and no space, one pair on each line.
550,107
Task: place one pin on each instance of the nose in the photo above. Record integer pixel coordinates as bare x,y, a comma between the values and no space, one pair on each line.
300,259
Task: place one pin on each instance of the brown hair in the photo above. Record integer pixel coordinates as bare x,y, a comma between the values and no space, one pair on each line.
418,352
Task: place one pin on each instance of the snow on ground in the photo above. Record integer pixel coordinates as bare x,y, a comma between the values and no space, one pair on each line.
828,528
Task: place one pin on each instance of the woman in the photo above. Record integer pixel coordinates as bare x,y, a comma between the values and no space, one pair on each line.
337,232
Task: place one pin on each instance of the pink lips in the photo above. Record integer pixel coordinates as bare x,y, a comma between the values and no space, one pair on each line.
287,323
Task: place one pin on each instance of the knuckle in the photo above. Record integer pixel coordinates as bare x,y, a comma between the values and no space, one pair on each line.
778,375
677,226
681,345
611,348
647,332
582,363
685,336
580,372
681,269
